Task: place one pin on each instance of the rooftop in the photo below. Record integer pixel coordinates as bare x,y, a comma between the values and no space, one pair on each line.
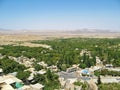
37,86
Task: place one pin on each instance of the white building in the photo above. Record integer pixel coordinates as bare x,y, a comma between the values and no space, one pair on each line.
37,86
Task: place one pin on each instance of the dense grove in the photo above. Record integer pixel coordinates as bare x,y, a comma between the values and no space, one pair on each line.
106,72
66,52
50,80
110,86
10,66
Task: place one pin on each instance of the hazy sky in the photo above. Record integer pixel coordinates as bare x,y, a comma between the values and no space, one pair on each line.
60,14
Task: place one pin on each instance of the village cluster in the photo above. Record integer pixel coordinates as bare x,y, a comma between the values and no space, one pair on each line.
66,78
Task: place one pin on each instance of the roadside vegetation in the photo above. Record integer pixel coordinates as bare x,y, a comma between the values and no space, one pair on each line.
83,85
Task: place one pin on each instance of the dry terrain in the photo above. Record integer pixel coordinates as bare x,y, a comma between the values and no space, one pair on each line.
24,38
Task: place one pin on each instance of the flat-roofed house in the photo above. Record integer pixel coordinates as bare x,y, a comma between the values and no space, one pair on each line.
37,86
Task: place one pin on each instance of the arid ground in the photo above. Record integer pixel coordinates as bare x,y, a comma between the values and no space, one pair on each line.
24,38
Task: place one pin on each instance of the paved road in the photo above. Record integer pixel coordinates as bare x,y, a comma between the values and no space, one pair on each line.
108,79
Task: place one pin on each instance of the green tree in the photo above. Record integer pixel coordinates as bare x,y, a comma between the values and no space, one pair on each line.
23,75
38,67
99,80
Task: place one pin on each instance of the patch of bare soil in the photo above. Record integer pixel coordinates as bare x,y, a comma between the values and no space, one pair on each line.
26,38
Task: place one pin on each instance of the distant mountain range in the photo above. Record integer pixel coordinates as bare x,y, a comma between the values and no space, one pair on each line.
2,29
79,31
92,31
